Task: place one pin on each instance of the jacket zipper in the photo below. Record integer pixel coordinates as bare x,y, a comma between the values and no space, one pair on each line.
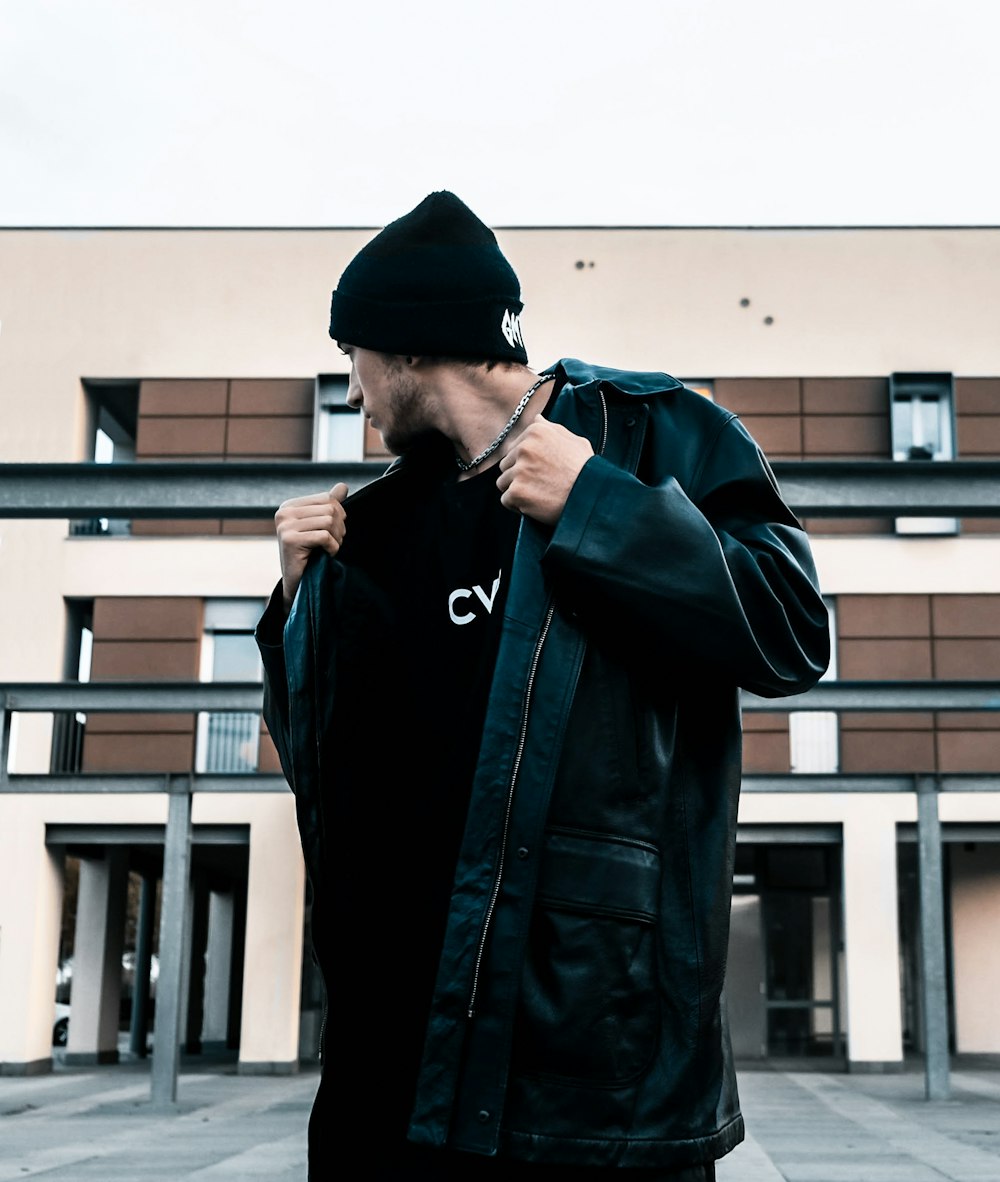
521,737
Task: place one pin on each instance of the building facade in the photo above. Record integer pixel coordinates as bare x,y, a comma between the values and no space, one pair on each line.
147,346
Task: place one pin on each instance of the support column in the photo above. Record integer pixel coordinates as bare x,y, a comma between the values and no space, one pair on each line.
95,995
194,1013
218,966
974,885
31,897
143,961
932,947
272,974
871,940
173,922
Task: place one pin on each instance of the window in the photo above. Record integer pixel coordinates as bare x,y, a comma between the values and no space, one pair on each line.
338,429
228,742
813,735
68,726
113,411
923,428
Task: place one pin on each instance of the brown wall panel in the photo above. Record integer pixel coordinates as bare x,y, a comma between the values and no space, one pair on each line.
274,435
762,396
979,525
155,527
167,437
966,659
130,724
766,751
848,436
904,720
886,751
977,396
156,752
865,526
765,720
966,615
147,617
968,751
883,615
877,660
961,720
262,396
146,659
845,396
175,396
778,435
249,527
978,435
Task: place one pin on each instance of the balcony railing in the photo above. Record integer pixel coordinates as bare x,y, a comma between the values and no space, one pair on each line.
168,489
244,490
242,701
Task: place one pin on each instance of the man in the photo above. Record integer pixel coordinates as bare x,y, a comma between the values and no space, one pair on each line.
503,683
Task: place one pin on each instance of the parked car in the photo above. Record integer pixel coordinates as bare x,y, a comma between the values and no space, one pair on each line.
60,1025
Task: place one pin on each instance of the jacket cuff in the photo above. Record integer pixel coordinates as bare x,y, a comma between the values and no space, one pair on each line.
269,632
584,497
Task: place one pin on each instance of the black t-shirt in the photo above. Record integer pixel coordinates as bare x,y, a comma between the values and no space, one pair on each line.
450,601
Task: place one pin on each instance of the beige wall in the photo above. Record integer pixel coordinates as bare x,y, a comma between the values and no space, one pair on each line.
253,304
975,922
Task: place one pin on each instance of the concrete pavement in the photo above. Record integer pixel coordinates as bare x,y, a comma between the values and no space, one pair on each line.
82,1124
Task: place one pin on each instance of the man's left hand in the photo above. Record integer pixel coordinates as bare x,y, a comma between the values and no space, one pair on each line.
536,475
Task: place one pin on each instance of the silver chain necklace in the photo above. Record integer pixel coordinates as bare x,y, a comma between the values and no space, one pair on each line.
464,466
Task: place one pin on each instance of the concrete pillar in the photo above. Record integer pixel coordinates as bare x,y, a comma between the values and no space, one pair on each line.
170,991
871,940
272,973
194,1013
139,1026
218,966
31,897
822,965
975,922
95,996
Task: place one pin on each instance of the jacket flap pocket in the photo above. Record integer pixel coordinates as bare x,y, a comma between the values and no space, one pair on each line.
604,875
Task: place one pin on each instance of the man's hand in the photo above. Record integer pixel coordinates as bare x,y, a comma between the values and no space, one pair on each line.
302,524
538,472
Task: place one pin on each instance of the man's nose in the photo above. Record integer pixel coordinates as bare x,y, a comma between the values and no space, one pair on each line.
354,396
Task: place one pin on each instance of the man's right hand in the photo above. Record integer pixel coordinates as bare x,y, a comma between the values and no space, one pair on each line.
302,524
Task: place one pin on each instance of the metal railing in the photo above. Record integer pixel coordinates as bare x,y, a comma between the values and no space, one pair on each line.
238,489
160,489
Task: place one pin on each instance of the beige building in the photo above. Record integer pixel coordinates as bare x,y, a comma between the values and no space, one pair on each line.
146,347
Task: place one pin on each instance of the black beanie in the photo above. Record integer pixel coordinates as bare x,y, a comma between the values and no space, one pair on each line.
433,282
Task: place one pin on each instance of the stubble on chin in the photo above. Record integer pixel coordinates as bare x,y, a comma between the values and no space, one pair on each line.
406,424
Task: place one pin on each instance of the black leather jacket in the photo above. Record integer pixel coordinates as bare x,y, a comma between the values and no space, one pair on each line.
578,1013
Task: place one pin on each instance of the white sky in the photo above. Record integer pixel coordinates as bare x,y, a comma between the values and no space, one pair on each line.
536,112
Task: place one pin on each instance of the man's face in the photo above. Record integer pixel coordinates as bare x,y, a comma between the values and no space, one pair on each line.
388,393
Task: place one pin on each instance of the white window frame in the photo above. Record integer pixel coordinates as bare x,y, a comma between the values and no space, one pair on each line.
338,429
814,735
922,390
222,616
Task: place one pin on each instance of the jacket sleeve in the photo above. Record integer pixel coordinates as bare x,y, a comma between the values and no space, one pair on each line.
718,579
269,635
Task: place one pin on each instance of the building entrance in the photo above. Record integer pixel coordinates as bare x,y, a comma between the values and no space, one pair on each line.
110,941
784,980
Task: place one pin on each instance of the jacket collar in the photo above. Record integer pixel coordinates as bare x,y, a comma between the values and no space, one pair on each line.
582,373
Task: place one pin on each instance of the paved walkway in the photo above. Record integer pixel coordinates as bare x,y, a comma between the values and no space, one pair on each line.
82,1124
